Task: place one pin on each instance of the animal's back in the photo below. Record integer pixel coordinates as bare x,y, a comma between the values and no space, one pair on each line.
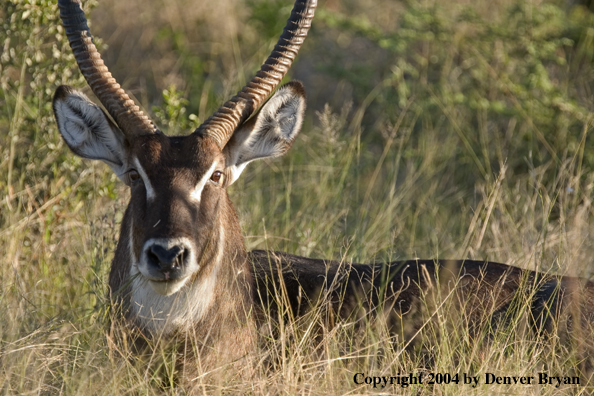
482,292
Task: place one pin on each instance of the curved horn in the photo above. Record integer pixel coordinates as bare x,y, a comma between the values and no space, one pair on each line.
122,109
221,125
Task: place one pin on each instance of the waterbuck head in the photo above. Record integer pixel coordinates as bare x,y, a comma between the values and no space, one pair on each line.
180,233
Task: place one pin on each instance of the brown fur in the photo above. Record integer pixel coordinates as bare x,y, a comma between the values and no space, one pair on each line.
227,289
481,291
180,236
230,288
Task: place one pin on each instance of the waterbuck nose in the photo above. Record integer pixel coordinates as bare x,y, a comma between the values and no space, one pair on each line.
167,259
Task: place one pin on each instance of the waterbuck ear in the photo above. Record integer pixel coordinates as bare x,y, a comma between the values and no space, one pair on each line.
270,133
87,130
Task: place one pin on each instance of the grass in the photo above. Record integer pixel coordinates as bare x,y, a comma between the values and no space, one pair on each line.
458,132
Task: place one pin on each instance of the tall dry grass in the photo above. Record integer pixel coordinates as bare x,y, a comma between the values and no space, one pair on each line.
451,131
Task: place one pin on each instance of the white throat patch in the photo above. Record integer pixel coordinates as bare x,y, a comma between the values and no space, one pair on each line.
164,315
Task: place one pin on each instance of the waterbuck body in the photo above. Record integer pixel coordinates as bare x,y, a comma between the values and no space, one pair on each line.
181,268
482,293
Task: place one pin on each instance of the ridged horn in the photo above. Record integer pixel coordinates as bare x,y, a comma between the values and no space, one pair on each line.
118,104
221,125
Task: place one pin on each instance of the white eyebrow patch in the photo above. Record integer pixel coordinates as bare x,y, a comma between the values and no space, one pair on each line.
133,258
196,193
150,192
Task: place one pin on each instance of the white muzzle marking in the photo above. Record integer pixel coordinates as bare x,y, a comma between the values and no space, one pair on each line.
167,288
165,307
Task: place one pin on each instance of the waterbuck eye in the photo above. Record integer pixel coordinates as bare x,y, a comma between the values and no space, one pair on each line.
216,176
133,175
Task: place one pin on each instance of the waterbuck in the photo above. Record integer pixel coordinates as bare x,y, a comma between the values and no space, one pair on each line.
181,267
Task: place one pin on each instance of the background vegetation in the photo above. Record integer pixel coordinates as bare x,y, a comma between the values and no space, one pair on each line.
434,129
